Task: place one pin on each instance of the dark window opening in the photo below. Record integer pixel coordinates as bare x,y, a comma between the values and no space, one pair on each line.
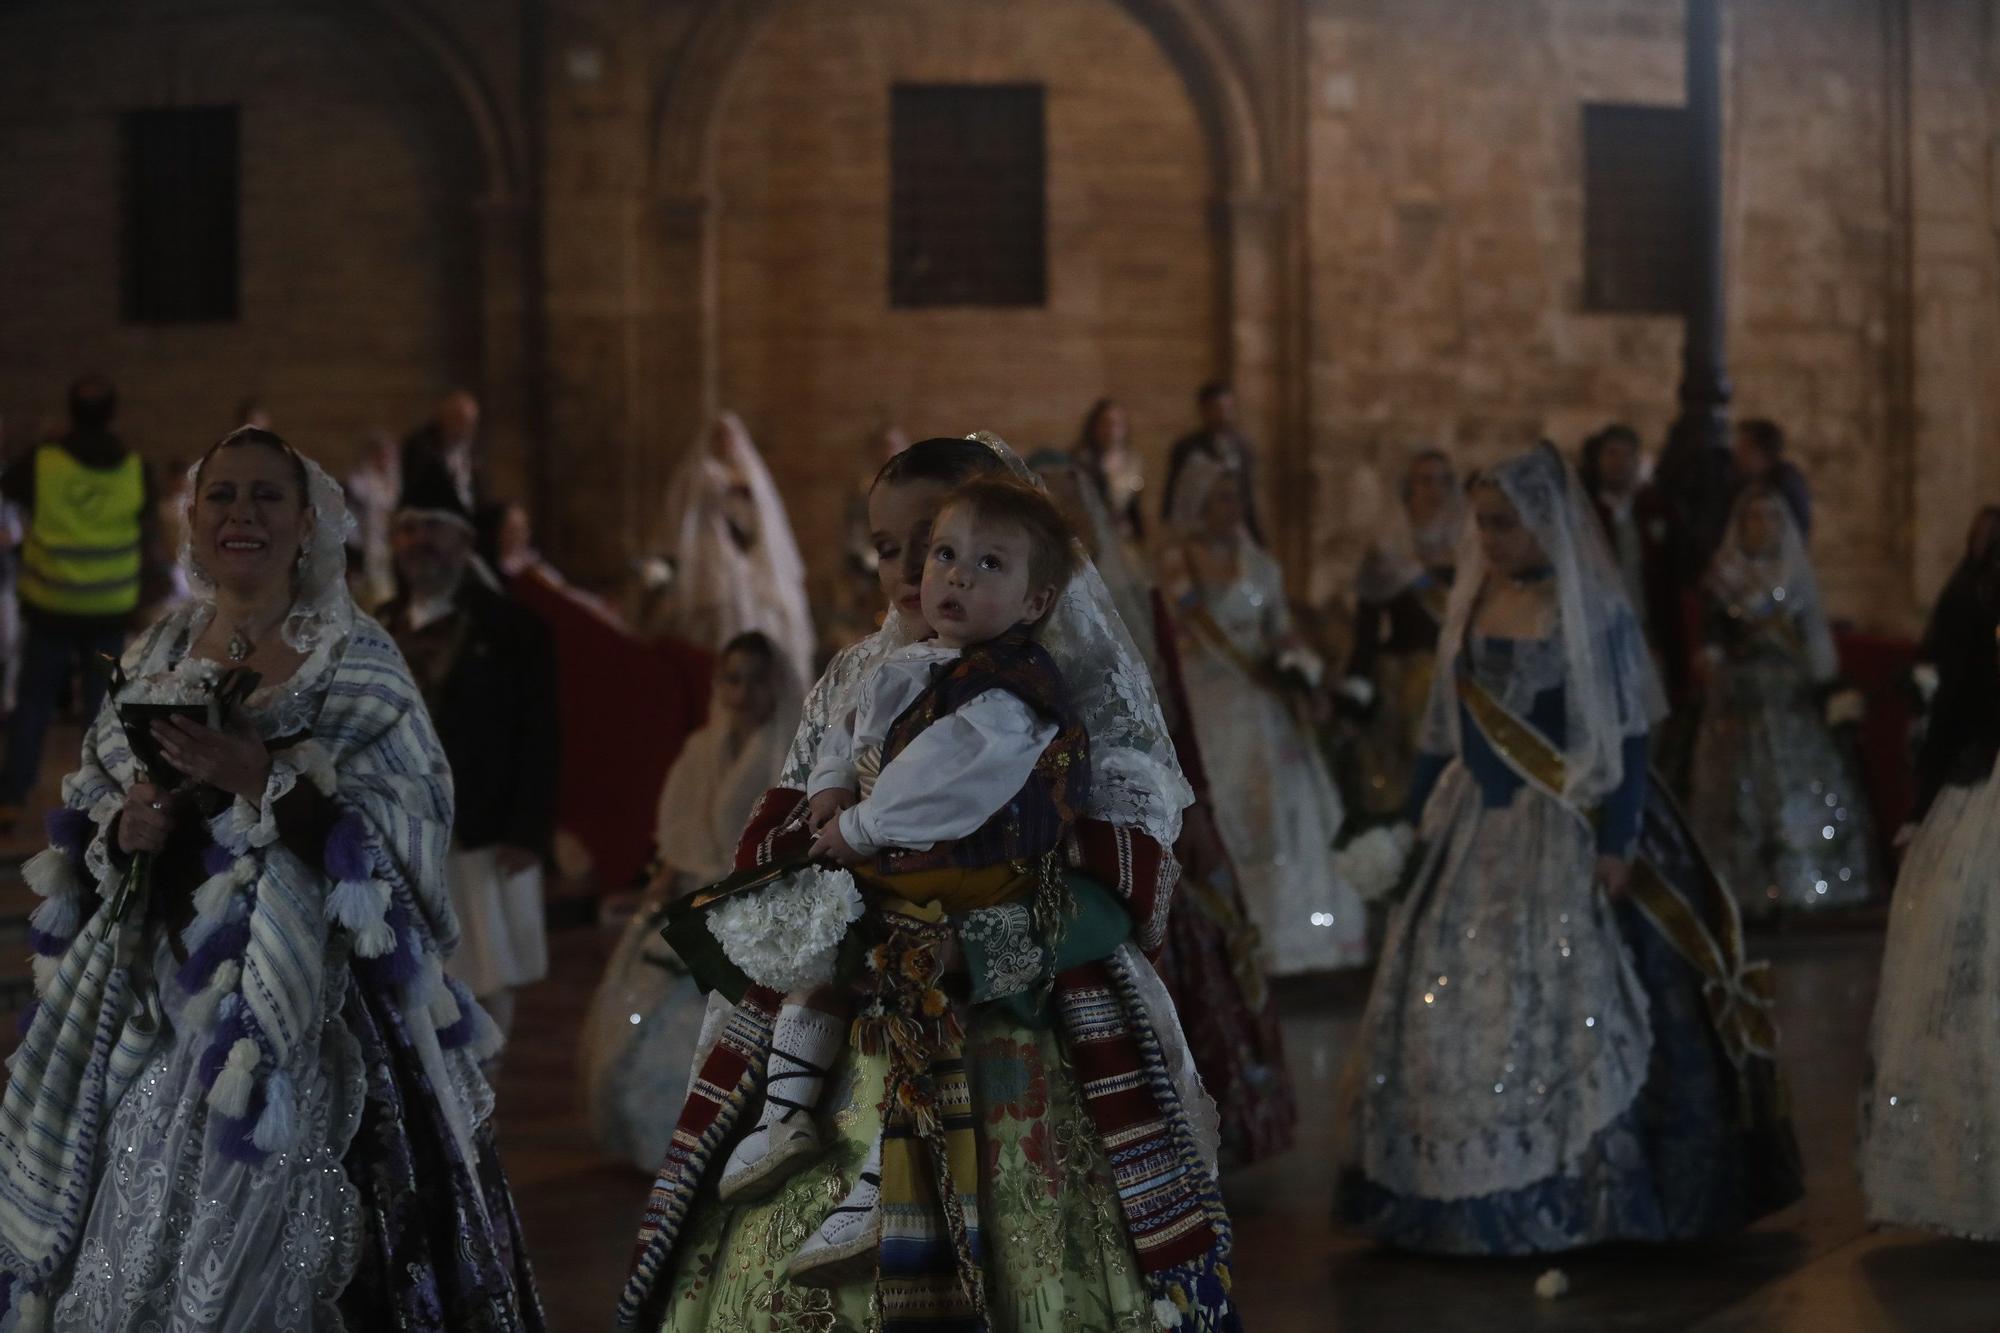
968,196
1637,172
180,237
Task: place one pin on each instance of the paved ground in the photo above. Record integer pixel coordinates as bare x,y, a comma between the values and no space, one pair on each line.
1816,1267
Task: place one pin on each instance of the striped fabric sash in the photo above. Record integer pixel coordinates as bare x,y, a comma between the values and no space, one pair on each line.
729,1077
1159,1189
930,1276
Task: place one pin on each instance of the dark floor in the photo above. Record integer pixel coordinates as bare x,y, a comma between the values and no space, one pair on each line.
1816,1266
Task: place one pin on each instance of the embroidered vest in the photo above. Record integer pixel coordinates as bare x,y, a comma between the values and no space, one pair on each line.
1042,813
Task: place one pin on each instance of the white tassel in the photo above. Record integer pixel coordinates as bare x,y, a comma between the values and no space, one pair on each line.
313,764
231,1093
374,940
278,1127
215,892
486,1036
57,916
45,972
51,874
31,1311
201,1009
444,1008
358,904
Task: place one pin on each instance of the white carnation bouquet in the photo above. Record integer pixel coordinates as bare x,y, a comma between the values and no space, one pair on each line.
787,934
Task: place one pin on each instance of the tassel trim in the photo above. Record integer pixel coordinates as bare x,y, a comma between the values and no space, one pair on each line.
70,831
231,1093
51,874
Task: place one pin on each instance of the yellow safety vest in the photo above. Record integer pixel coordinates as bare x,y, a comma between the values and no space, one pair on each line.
81,556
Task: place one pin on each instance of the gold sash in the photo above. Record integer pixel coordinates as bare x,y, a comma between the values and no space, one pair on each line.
1739,992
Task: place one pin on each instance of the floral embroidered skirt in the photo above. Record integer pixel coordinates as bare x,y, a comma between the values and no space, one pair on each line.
1057,1256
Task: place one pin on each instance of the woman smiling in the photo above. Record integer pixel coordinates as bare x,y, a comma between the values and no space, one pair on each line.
259,1038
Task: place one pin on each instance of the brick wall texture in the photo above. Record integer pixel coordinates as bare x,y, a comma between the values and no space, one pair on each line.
614,216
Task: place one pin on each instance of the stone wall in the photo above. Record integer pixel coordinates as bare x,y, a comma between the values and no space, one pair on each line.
811,353
618,215
358,286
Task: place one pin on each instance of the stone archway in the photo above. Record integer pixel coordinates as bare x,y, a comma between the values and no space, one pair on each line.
680,335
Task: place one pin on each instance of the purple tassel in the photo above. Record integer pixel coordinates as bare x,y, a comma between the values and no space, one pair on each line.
232,1026
225,941
46,945
459,1033
347,858
215,858
234,1137
69,830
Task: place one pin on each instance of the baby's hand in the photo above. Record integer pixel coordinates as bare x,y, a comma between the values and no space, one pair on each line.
832,845
827,805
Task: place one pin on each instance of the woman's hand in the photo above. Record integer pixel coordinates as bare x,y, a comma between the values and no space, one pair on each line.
1613,874
234,761
832,845
147,820
827,805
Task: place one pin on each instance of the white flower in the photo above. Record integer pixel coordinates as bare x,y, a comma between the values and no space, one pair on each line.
787,934
1360,689
1166,1314
1373,863
1552,1285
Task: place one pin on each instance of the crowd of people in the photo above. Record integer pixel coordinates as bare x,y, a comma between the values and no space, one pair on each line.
947,999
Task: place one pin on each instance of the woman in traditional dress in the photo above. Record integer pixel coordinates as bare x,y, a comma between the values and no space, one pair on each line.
1536,1068
1103,450
1775,797
249,1098
1931,1115
736,563
1011,1214
1210,962
643,1021
1249,678
1399,600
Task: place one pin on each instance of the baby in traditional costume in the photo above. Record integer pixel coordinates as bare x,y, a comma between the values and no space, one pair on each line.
951,787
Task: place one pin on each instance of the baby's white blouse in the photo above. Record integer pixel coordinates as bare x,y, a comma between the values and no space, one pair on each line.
949,780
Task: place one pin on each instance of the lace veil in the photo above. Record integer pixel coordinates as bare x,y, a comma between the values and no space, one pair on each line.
1611,691
322,607
722,589
1135,779
1780,580
1131,591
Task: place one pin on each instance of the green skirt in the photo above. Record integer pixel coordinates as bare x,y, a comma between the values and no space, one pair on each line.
1057,1256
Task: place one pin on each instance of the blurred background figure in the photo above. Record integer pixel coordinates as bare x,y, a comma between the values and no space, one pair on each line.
92,523
1399,599
1103,451
372,489
448,444
1759,456
1219,439
486,667
1250,682
639,1037
736,565
1776,798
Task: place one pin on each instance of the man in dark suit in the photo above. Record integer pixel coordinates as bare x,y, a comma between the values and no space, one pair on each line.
487,670
1638,527
446,446
1221,440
